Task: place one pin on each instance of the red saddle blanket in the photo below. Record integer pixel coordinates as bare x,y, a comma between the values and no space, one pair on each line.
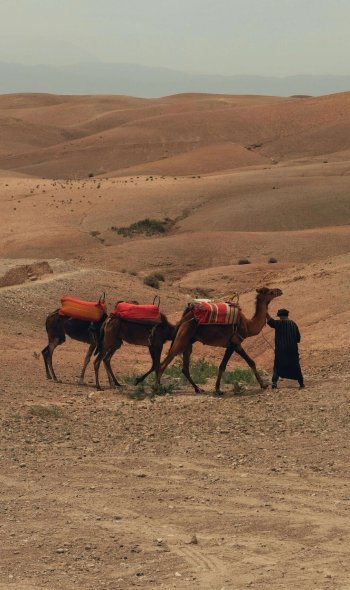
137,313
216,313
90,311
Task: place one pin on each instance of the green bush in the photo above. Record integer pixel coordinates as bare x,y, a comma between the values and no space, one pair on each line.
149,227
158,275
200,370
238,375
244,261
151,281
140,392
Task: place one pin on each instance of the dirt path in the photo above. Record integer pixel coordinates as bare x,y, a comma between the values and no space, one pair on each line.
185,491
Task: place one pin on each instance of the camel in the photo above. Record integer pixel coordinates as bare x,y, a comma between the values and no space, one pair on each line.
223,335
58,326
115,331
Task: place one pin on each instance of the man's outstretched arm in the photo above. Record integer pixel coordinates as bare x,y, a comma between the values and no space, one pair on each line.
270,321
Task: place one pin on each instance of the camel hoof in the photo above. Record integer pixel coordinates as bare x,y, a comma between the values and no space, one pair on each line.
218,393
264,386
199,391
81,382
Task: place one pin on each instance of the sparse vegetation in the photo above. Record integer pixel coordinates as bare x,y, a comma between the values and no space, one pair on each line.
91,175
245,376
201,292
153,280
272,260
244,261
45,411
201,370
159,275
149,227
140,392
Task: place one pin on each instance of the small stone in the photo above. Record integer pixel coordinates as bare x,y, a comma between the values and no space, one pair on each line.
61,550
178,575
194,540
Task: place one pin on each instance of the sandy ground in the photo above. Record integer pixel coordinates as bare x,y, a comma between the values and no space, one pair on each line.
179,491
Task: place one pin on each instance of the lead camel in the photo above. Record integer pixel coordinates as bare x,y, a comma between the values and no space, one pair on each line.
222,335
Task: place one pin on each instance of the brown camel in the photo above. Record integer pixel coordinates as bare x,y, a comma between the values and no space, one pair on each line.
115,331
58,326
223,335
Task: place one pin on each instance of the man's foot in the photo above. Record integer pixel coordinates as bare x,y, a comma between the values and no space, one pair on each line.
301,386
274,385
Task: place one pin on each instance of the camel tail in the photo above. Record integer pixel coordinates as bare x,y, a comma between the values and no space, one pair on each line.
99,340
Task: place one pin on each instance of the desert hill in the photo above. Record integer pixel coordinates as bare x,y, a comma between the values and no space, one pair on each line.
68,137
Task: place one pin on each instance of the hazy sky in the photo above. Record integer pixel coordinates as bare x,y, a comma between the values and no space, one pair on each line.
267,37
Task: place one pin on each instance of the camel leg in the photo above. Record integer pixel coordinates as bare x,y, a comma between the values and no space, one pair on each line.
47,353
222,368
143,377
252,365
186,368
113,381
105,356
86,362
97,363
183,338
155,352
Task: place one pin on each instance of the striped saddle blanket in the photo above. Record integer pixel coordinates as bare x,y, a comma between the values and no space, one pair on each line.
216,313
132,312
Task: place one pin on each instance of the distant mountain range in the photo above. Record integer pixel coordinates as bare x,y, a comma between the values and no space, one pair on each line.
142,81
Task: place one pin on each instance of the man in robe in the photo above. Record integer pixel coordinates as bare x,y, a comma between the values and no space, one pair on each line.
287,338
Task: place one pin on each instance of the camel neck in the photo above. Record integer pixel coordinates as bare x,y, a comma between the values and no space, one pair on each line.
258,321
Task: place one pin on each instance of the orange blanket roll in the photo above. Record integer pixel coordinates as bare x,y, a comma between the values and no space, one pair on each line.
137,313
90,311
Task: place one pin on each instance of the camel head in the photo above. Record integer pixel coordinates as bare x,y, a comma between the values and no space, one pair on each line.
264,294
